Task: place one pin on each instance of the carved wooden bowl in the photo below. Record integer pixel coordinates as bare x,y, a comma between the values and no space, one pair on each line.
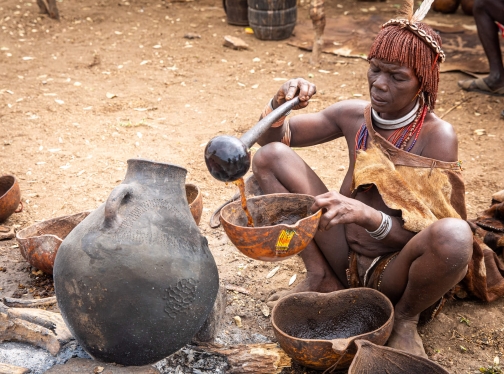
283,225
10,196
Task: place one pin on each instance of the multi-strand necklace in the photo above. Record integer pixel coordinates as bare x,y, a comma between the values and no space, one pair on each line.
406,128
402,136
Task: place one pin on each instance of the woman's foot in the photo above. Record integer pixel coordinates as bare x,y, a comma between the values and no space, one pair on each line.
314,282
406,338
483,85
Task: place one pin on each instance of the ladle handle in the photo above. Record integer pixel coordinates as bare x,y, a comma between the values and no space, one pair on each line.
251,136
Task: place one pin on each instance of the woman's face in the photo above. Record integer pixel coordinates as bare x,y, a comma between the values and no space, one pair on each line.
392,88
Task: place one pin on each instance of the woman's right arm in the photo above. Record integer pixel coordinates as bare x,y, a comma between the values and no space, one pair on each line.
304,129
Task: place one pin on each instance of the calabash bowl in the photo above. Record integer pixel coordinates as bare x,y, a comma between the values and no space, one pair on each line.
376,359
283,225
39,242
195,200
319,330
10,196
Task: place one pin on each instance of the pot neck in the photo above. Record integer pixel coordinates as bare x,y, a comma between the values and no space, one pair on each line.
146,171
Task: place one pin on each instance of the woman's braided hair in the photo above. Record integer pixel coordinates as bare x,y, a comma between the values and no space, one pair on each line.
408,42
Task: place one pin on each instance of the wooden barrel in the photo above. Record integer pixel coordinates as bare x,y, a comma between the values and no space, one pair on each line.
272,19
236,12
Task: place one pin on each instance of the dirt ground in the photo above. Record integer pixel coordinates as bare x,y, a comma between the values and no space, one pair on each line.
115,80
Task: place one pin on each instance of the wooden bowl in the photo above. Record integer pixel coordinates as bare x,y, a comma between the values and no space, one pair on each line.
39,242
375,359
283,225
10,196
319,330
195,200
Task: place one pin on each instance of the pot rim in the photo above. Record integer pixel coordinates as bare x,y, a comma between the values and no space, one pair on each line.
326,295
155,162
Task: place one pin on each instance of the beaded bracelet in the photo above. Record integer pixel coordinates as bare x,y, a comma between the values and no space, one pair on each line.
382,231
286,139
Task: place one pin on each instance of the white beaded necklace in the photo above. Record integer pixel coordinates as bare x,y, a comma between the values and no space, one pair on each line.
393,124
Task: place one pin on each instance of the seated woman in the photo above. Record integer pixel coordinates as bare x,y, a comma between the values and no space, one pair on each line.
397,223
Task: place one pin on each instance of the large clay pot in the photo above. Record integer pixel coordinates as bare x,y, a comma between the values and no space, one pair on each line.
135,280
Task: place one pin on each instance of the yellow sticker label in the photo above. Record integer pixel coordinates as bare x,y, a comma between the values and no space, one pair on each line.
284,240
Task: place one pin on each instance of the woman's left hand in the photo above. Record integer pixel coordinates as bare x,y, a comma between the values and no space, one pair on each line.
339,209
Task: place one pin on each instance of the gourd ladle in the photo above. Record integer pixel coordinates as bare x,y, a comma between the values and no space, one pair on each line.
228,158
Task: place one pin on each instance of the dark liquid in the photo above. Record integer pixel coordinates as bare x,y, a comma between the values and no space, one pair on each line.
343,326
241,186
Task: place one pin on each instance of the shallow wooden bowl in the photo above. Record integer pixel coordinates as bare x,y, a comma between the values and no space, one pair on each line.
10,196
283,225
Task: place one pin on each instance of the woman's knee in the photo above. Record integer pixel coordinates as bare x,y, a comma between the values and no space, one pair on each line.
451,240
263,158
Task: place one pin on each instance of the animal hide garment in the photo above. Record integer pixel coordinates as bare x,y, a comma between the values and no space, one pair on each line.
425,190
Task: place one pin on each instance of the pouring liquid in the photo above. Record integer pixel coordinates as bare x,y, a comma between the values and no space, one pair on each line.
241,186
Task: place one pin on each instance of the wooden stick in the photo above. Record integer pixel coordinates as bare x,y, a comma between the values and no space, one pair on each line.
453,107
11,369
267,358
231,287
31,303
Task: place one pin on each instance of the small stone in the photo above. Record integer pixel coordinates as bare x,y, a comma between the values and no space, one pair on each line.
238,321
191,35
234,43
265,310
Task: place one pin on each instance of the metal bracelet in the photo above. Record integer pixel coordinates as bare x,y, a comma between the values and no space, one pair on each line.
383,230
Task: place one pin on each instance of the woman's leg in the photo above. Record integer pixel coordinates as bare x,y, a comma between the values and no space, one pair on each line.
486,12
279,169
430,264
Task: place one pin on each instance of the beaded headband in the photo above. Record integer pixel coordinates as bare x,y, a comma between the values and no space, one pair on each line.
410,24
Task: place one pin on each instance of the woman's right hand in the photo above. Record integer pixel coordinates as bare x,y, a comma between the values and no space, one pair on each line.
292,88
